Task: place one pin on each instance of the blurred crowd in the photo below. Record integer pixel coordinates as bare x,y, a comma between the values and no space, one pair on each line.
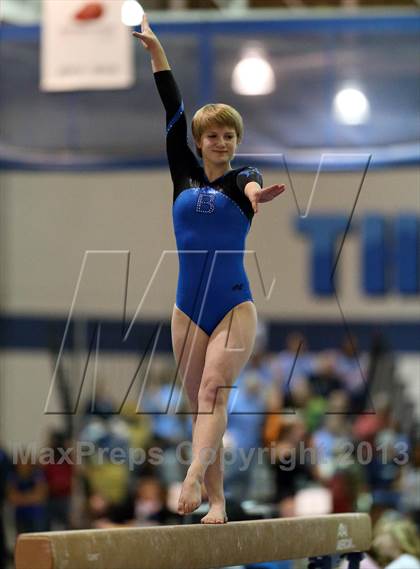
305,436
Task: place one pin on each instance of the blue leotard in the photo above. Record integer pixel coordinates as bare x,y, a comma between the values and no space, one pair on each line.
211,221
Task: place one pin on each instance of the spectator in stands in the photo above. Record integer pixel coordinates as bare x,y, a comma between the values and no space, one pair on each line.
325,378
367,425
409,484
351,367
397,544
293,466
342,471
105,470
148,506
292,366
168,427
106,432
313,407
103,513
338,458
102,404
5,469
139,425
59,477
27,491
170,420
139,433
390,451
107,478
347,483
334,436
248,404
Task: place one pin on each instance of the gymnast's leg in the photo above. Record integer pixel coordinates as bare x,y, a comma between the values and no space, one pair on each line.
228,350
213,481
189,345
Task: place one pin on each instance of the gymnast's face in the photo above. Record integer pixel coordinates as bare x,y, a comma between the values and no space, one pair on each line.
218,144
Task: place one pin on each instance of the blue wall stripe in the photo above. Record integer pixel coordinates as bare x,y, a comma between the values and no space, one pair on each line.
374,258
46,333
407,256
409,21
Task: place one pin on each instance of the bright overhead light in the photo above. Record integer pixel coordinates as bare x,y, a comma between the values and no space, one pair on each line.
253,74
351,106
131,13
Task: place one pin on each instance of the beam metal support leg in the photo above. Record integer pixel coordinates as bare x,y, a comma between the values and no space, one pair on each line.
324,562
354,560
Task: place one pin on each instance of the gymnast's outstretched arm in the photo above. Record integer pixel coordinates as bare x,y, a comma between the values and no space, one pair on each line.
182,161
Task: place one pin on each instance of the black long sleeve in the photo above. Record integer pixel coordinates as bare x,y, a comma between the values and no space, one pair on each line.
182,162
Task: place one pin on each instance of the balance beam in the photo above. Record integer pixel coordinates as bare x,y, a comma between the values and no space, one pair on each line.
196,546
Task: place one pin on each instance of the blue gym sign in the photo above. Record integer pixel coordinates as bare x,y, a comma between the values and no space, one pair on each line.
389,251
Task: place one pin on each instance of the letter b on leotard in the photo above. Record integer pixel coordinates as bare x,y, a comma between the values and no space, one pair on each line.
205,203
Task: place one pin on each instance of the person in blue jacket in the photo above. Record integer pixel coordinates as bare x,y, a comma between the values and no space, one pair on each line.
214,318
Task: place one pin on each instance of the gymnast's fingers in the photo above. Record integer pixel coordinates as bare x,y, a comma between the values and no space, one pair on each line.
142,38
145,21
271,192
276,189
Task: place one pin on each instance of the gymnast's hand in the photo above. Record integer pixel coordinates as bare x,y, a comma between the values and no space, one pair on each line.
147,36
257,195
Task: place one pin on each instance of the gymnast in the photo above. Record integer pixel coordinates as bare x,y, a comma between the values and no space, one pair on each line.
214,319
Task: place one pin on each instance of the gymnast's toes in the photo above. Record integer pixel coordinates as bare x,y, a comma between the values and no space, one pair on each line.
216,515
190,498
213,521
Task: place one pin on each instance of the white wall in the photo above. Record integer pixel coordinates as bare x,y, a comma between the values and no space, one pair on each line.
49,221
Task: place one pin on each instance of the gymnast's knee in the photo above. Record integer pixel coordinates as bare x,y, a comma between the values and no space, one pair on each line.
214,393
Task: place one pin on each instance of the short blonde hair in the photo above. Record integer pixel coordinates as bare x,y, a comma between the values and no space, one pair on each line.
219,114
393,536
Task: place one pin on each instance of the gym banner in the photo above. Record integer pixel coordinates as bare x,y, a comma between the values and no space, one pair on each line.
85,45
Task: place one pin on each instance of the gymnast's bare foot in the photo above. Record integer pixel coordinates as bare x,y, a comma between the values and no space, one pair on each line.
190,497
216,514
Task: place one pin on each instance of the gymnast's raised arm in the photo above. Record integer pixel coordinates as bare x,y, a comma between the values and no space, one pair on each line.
182,160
